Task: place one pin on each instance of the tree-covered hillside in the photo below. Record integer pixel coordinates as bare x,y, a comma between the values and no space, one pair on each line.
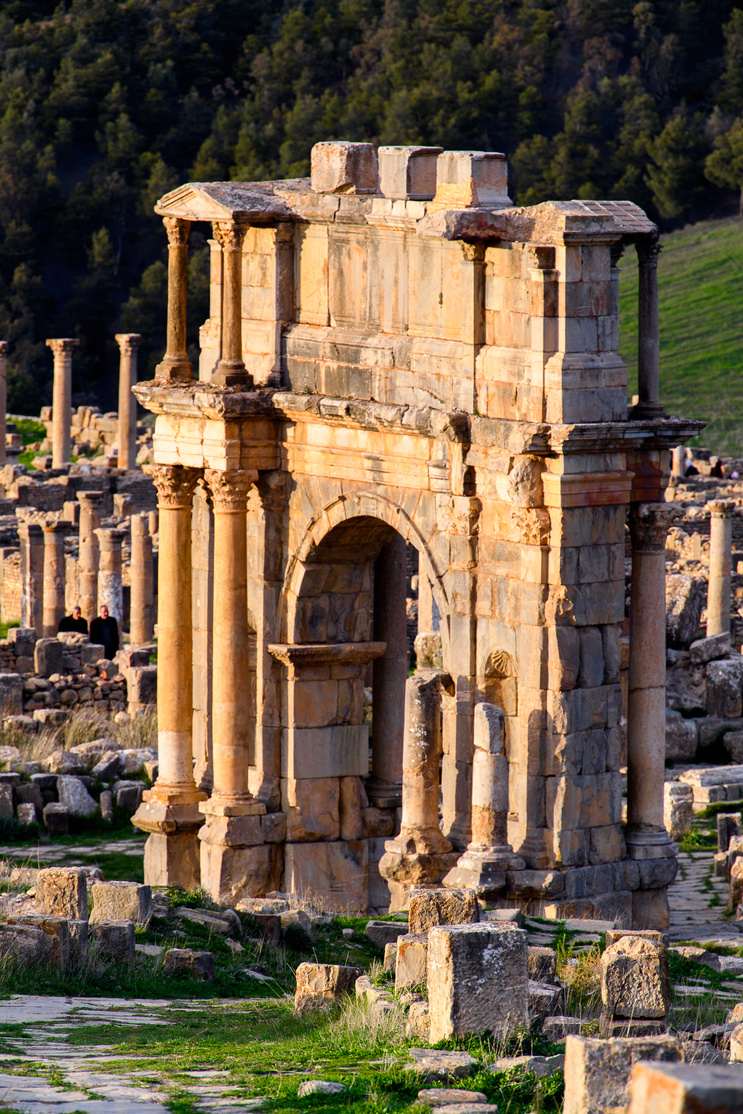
106,104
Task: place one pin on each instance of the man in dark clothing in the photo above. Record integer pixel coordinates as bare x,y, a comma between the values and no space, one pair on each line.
74,622
104,631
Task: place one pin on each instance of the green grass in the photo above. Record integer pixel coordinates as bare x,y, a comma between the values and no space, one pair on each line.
700,282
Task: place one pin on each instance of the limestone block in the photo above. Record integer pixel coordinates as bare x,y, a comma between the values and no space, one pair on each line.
195,964
321,985
471,178
736,883
382,933
428,651
75,797
410,961
545,1000
678,809
342,167
736,1045
446,1096
408,172
597,1072
56,818
121,901
141,685
24,640
725,687
710,649
685,598
685,1089
57,929
11,694
24,944
353,801
541,964
114,939
312,808
442,906
477,980
336,872
634,979
65,762
10,759
26,814
682,736
390,957
62,892
319,752
108,767
78,940
48,657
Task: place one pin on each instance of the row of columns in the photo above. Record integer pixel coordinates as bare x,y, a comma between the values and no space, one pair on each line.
43,569
62,349
175,366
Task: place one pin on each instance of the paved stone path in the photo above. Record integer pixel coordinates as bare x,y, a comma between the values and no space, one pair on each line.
698,902
86,1084
55,853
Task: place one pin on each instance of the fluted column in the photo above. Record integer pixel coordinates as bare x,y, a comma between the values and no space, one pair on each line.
648,333
175,366
646,716
720,566
231,371
110,589
90,520
128,344
62,399
169,810
3,397
230,710
54,576
141,610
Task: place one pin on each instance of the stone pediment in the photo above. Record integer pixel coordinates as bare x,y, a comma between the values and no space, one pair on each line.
211,201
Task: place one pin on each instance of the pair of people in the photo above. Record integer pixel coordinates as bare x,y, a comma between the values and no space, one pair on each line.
104,630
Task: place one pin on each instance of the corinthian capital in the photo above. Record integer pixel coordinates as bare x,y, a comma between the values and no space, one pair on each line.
128,342
229,234
62,345
175,484
649,523
229,490
648,252
177,230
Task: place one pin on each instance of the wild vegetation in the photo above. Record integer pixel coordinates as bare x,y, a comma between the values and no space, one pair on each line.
107,104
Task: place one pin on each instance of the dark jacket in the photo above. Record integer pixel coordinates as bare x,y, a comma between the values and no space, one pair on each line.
105,632
80,626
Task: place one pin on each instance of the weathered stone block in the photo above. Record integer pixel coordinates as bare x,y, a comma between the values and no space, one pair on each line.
382,933
442,906
408,172
685,1089
725,687
685,598
56,818
634,979
336,870
57,930
597,1072
341,167
114,939
141,685
11,694
410,961
195,964
322,985
682,737
541,964
477,980
121,901
48,657
23,944
62,892
75,797
678,808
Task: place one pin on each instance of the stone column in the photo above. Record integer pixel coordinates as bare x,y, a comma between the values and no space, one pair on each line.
646,716
54,577
32,575
62,399
90,520
169,810
128,344
175,366
231,371
489,855
648,339
110,592
720,566
678,461
141,611
421,854
389,674
153,522
3,397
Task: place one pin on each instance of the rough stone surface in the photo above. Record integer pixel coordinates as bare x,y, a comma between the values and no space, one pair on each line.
183,961
322,985
410,961
597,1072
634,979
442,906
75,797
62,892
686,1089
121,901
114,939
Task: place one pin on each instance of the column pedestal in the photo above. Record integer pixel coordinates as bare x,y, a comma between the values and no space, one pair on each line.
169,811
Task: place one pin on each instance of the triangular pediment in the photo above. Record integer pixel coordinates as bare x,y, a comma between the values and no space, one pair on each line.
211,201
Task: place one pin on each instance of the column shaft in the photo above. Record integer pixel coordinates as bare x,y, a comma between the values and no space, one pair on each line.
54,577
175,365
32,574
720,567
110,591
90,520
141,618
646,716
3,398
421,755
62,399
648,340
389,672
128,344
231,371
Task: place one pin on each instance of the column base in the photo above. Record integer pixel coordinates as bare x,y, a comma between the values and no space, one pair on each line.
171,853
231,373
650,845
420,859
646,411
217,806
483,871
174,369
384,794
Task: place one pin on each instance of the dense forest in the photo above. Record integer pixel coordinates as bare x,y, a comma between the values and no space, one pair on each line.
107,104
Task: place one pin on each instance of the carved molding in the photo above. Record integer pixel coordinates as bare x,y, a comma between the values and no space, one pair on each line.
649,523
128,343
62,346
229,490
175,484
229,234
648,252
177,230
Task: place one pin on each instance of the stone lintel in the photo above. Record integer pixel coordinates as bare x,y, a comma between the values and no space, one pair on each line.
338,653
607,437
586,489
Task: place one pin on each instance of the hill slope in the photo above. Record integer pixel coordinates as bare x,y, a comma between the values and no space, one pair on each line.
700,282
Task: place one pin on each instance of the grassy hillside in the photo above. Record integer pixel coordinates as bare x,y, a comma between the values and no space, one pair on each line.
700,276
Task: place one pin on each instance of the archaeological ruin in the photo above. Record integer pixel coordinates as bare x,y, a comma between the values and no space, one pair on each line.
403,374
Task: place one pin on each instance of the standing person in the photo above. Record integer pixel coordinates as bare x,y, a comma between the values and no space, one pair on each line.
104,631
74,622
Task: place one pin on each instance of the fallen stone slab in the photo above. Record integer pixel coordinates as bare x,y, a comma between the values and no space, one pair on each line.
320,1087
536,1065
436,1066
382,933
446,1096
